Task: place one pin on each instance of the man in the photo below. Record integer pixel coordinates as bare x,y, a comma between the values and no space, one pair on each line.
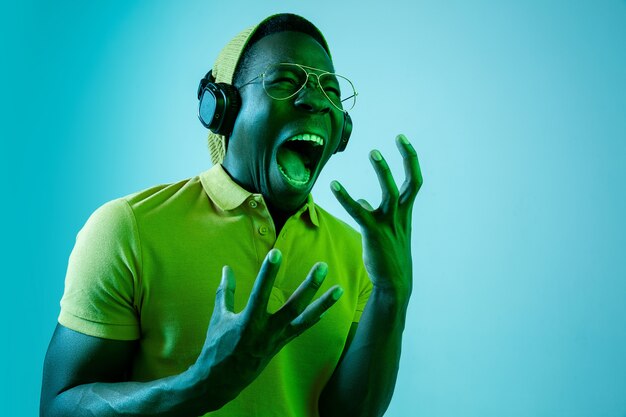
140,333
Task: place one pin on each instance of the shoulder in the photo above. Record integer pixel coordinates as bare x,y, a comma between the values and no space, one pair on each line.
164,195
123,214
149,201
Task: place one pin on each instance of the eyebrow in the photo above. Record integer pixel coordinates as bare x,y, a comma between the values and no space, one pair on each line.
323,71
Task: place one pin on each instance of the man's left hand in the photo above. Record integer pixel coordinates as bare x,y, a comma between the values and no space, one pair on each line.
386,230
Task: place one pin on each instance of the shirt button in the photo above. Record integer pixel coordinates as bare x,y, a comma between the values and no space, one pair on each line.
263,230
253,203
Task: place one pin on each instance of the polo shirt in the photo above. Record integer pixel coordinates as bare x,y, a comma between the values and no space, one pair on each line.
147,266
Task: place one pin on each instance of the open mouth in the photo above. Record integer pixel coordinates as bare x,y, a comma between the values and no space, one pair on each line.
298,158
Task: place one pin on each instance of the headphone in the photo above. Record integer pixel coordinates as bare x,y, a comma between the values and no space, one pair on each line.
220,104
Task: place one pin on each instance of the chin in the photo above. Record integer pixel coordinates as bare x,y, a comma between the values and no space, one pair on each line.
286,196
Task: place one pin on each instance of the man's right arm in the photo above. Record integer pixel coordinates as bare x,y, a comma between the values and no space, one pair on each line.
87,376
84,376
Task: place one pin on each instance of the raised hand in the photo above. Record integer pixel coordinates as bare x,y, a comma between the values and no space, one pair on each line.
238,346
386,230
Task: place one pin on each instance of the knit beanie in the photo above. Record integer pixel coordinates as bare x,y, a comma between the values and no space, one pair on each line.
226,63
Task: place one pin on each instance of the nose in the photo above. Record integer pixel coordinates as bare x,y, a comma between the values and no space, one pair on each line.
311,98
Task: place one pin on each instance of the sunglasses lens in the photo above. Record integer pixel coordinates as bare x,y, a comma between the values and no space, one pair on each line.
339,90
282,81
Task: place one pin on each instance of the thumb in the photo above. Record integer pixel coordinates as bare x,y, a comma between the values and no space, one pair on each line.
225,297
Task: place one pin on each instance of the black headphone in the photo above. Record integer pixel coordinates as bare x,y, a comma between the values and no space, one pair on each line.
220,103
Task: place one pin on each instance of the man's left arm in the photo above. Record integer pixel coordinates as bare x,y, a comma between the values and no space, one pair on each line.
363,383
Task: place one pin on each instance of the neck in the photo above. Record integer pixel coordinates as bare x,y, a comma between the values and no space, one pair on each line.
279,216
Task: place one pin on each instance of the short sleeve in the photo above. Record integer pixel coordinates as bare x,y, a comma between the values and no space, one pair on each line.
103,274
365,289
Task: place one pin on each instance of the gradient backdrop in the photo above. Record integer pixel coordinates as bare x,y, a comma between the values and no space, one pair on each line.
517,110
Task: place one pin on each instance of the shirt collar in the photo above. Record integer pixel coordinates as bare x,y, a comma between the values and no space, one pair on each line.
228,195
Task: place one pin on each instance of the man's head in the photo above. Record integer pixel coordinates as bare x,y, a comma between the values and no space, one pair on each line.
227,70
279,146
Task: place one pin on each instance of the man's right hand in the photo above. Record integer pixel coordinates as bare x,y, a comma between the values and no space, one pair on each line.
238,346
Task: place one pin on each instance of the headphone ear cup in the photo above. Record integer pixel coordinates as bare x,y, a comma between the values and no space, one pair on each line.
345,133
218,107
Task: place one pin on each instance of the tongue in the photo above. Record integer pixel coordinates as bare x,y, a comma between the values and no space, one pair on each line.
292,164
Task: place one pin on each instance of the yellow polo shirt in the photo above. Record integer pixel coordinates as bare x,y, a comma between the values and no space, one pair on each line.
146,267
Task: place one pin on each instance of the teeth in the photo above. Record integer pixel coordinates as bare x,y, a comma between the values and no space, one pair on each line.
318,140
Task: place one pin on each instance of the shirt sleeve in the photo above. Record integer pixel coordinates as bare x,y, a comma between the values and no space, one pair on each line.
365,284
365,289
103,275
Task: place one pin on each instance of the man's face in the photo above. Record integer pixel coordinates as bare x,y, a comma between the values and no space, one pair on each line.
262,154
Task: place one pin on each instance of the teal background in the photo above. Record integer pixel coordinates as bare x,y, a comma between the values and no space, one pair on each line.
517,110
